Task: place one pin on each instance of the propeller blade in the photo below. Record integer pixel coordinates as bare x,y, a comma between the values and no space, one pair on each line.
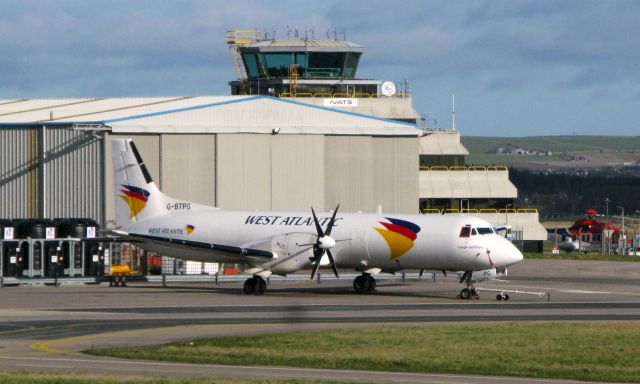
314,270
332,221
333,263
317,223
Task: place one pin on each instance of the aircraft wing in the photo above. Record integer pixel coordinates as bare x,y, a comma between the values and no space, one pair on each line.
200,251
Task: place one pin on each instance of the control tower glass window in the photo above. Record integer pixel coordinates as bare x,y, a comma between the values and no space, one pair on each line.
325,64
254,69
310,65
301,60
278,64
350,65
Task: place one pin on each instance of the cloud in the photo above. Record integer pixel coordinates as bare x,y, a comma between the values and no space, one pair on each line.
494,50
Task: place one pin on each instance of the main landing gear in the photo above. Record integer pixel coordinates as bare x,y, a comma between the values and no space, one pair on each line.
255,286
470,291
364,284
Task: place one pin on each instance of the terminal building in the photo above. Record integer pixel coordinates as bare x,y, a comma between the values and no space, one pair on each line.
298,130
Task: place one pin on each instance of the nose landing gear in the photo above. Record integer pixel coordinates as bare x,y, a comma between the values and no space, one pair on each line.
470,291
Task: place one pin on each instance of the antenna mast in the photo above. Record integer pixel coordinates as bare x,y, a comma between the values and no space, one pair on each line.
453,111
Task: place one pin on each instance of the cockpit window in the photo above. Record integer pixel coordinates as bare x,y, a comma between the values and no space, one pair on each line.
485,231
474,232
465,231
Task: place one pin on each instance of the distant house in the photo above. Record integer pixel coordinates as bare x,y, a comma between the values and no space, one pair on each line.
519,152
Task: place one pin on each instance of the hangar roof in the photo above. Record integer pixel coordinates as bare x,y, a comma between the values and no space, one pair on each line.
202,114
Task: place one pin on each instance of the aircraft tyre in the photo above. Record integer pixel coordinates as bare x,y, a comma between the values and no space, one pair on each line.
502,296
364,284
262,286
254,286
469,293
249,286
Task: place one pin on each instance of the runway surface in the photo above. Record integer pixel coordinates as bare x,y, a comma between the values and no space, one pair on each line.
46,328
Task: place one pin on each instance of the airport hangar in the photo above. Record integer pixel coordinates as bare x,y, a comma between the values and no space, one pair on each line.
246,152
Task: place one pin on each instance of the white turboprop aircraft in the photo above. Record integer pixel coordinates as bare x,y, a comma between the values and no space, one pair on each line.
284,242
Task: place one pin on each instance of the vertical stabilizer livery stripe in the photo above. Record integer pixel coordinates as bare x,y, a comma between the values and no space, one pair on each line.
136,198
143,168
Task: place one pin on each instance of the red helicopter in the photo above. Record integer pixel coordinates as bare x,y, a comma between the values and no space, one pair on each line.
585,234
591,226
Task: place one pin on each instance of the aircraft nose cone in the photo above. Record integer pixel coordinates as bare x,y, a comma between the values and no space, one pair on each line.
514,256
504,253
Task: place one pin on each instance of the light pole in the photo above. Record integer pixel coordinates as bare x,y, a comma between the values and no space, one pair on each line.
506,213
623,234
607,201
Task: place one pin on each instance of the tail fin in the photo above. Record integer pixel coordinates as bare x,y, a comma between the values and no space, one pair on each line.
138,197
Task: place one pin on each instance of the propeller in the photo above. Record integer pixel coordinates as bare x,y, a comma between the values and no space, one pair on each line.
323,244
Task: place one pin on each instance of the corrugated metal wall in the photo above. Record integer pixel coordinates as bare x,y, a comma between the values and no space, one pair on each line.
73,171
249,171
349,173
406,165
187,165
297,172
244,171
18,173
363,172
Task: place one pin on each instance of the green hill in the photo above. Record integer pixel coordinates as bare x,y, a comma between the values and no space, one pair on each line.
566,151
478,145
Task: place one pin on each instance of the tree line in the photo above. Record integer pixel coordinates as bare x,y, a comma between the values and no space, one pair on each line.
557,195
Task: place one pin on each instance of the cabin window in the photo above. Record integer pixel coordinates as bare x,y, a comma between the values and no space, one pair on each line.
465,232
485,231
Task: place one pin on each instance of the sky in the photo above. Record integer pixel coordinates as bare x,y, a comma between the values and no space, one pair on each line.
516,67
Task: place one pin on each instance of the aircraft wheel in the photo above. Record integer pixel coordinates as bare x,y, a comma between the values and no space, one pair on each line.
372,284
358,284
499,297
366,286
249,286
505,297
261,286
465,293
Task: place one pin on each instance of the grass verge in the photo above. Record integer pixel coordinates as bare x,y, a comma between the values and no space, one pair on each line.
603,351
53,378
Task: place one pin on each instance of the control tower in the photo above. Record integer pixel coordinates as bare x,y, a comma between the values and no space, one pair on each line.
297,67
